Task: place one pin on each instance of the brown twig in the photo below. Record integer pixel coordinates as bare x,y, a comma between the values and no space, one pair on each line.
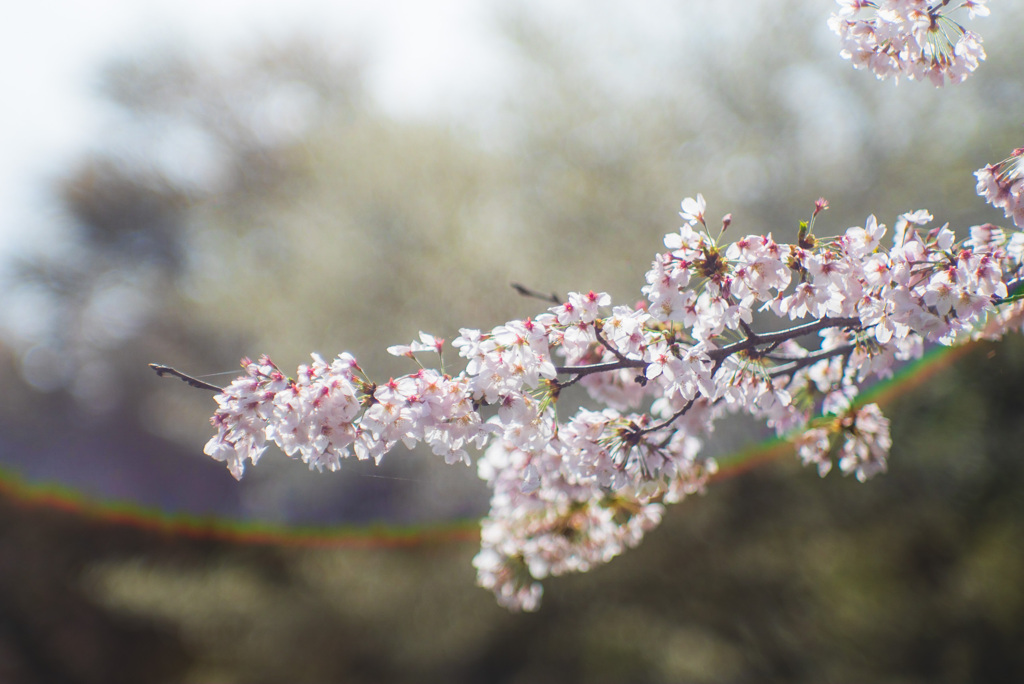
530,292
163,370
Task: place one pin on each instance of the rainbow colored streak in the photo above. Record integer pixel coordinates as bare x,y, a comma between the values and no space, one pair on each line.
382,535
65,499
909,377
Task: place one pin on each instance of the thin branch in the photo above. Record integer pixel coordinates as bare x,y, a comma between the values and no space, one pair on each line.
162,370
718,355
1011,285
529,292
679,414
781,336
568,383
607,345
600,367
810,359
668,421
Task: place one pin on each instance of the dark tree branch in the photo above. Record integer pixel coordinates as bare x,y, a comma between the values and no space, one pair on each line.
717,355
600,367
777,338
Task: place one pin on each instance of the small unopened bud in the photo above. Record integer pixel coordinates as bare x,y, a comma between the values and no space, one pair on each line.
726,220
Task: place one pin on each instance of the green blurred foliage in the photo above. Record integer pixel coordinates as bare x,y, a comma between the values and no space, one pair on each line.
264,204
772,576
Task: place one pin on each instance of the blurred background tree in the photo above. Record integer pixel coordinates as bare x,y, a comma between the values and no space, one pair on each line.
264,203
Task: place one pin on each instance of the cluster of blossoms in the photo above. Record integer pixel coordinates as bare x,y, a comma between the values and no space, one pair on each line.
912,38
330,412
569,493
1002,185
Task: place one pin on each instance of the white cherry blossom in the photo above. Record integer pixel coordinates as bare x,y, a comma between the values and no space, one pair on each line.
916,39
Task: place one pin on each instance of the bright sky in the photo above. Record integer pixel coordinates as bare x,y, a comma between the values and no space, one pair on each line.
423,54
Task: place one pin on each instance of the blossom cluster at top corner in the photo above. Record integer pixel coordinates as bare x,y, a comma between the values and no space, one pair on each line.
916,39
1002,185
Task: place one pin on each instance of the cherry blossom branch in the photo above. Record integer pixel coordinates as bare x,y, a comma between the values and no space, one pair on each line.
868,304
571,494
